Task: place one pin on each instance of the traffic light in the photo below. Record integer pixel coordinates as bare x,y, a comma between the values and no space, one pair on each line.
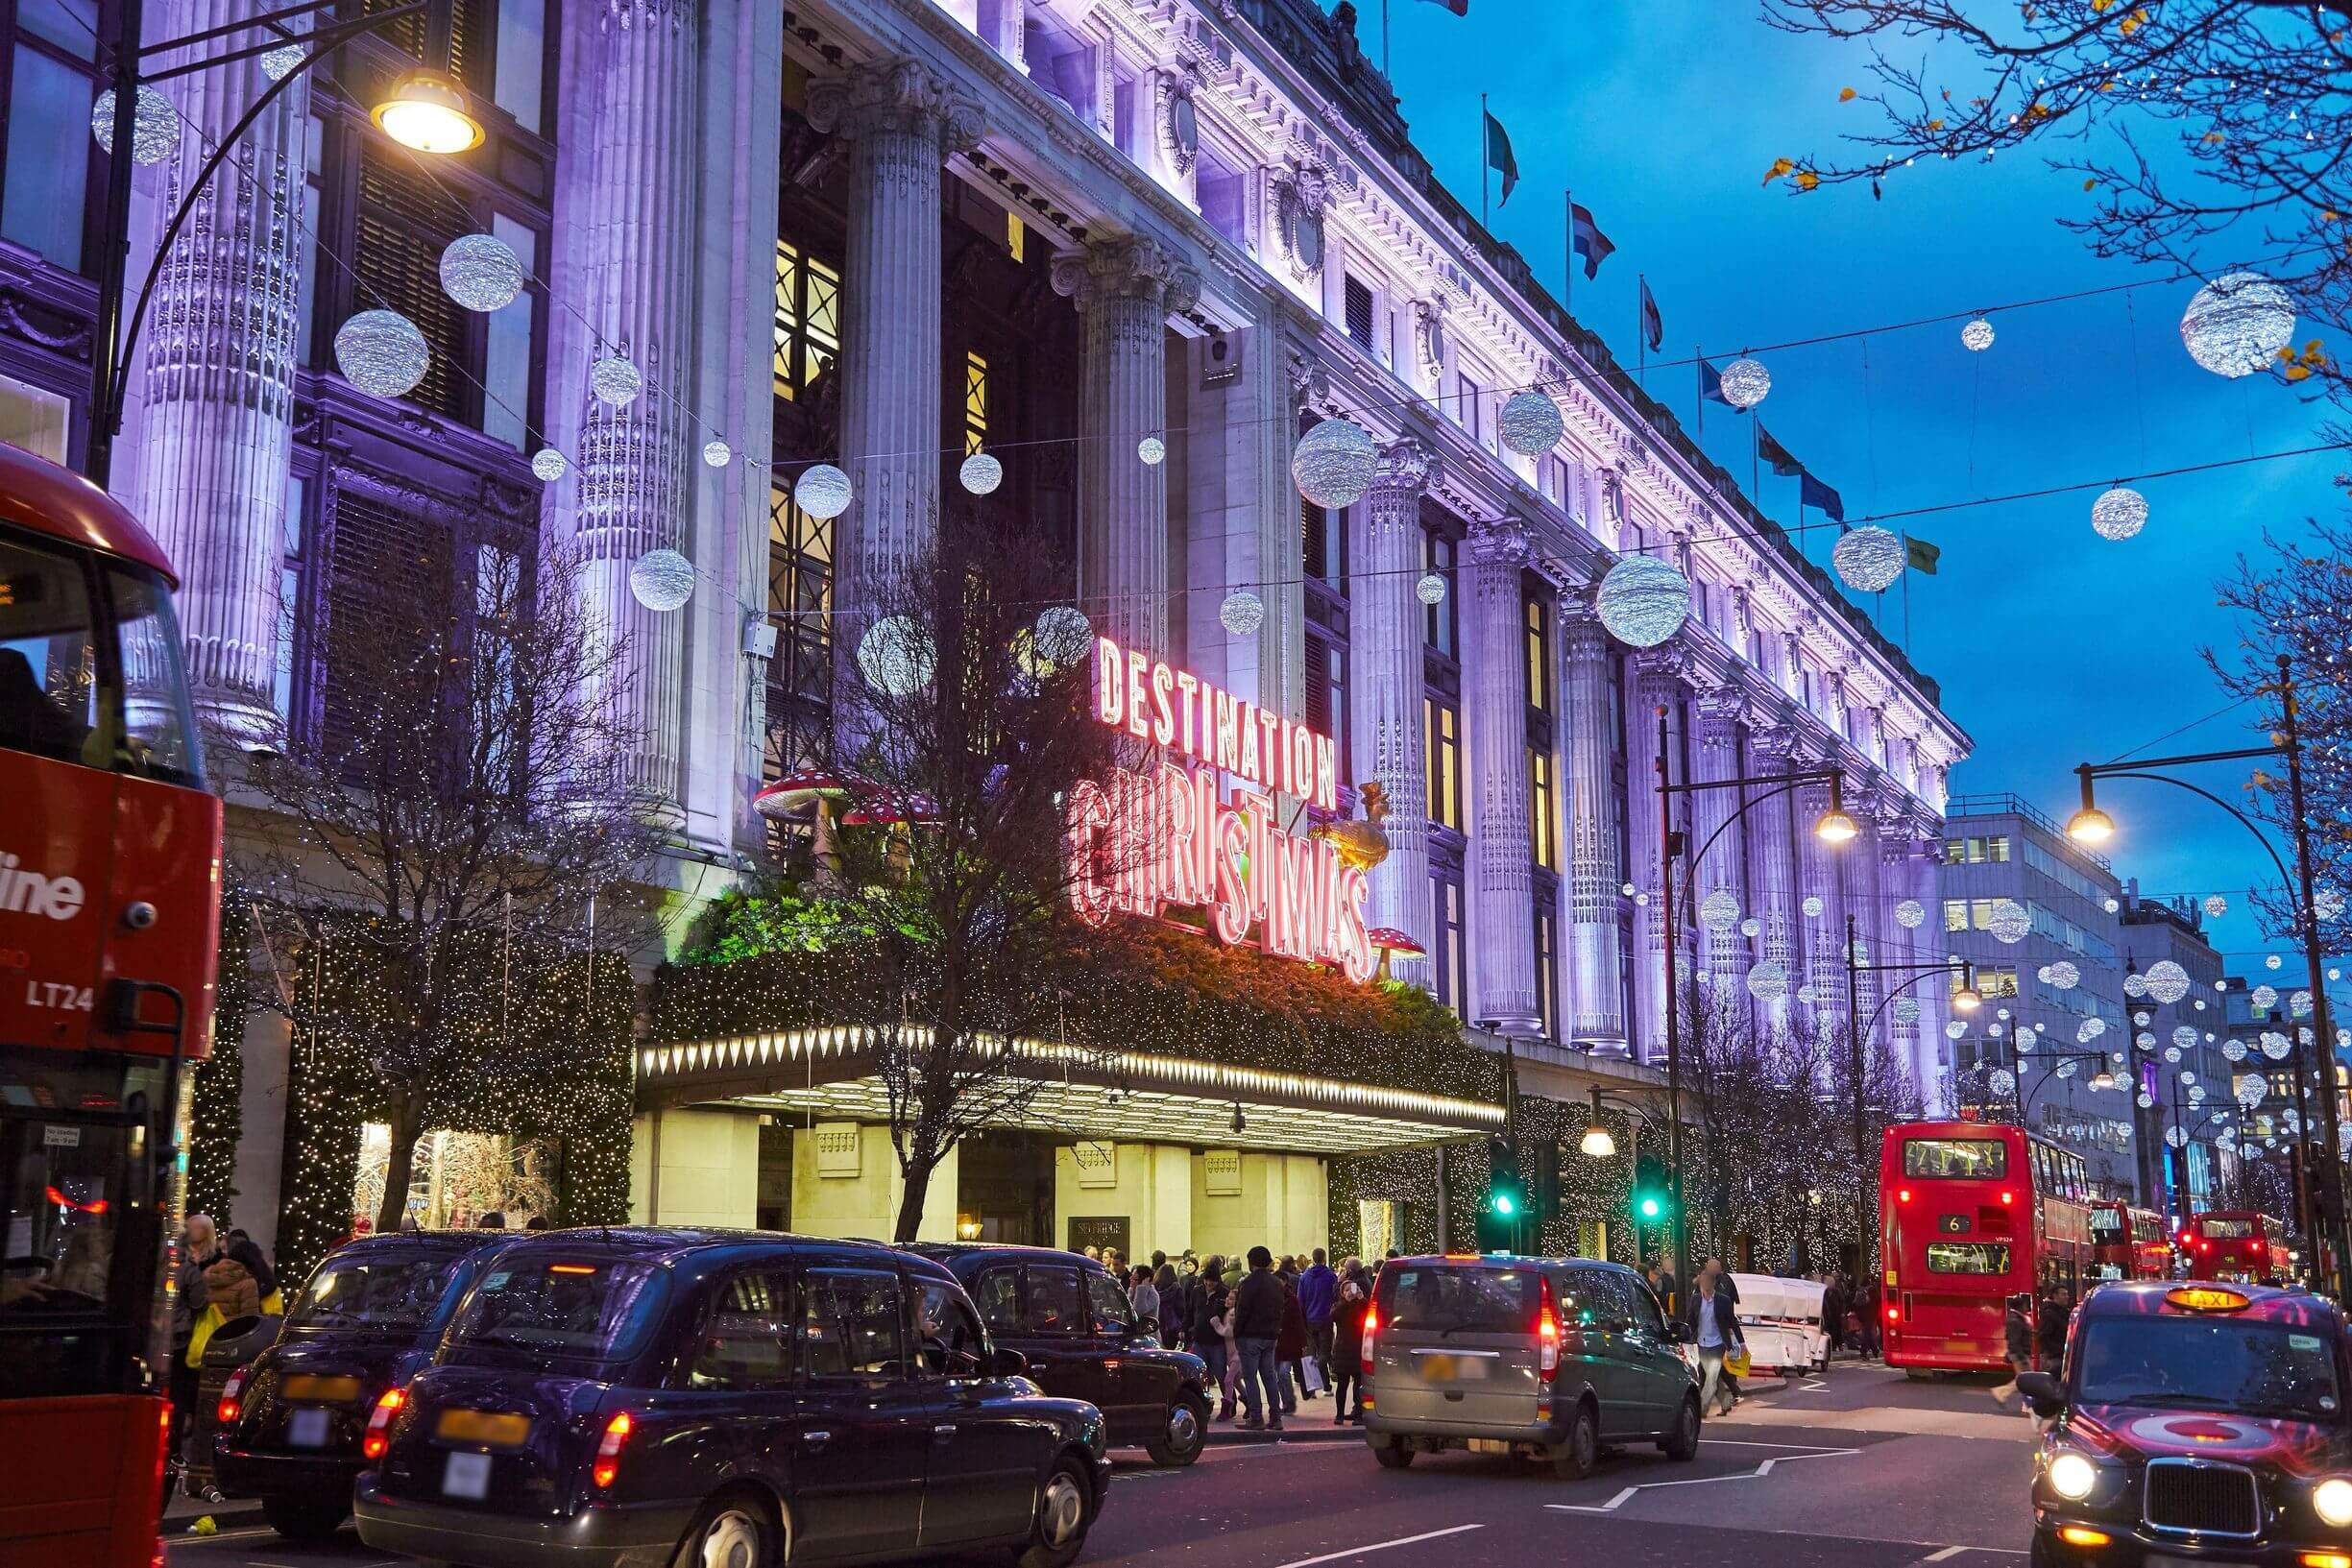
1505,1212
1653,1198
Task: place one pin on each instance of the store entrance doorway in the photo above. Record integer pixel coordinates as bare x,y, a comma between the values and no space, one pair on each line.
1005,1187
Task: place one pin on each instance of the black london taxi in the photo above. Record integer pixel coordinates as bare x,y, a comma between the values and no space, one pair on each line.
1083,1339
290,1423
2196,1423
639,1397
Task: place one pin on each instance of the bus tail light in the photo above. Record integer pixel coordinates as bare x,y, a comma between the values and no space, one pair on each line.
2007,1196
608,1451
1894,1314
378,1436
1903,1195
227,1411
1547,1333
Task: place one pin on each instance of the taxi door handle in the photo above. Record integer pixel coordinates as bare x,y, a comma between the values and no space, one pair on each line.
816,1439
943,1431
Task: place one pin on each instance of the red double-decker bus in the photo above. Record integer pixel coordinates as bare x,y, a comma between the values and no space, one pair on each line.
1971,1213
2128,1242
2239,1246
110,913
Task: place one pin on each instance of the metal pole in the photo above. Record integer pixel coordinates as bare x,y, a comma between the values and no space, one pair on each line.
1674,1030
2323,1041
114,247
1855,1058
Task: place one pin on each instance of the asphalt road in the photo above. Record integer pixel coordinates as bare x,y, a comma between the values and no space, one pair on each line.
1858,1468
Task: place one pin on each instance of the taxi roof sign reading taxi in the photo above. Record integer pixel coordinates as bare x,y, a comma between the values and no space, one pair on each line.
2205,1298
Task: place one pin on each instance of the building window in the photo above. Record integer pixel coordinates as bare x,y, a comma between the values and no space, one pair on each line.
1447,965
800,601
975,402
1326,689
1539,656
405,221
1444,743
1318,550
1547,971
507,353
1466,409
1542,830
292,625
1443,620
48,170
1359,311
807,320
1977,850
33,418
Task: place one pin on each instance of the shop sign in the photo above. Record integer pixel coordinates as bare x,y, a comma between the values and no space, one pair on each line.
839,1148
1096,1162
1221,1173
1166,834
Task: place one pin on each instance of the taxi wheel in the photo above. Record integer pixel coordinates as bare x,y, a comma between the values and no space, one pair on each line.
304,1521
1058,1532
1185,1433
1683,1443
734,1530
1575,1456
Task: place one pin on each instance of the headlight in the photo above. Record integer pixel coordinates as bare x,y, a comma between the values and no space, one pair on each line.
2333,1500
2071,1477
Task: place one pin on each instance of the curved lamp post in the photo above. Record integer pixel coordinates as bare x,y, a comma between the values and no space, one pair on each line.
1600,1143
423,111
2089,825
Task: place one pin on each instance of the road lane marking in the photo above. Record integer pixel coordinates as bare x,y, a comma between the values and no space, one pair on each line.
1378,1546
1947,1555
1764,1468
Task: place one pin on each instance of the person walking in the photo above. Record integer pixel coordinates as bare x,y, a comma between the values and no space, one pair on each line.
189,1302
2019,1330
1317,1295
2049,1331
1171,1312
1291,1347
1354,1299
1211,1328
1833,1313
1258,1305
1142,1295
1716,1326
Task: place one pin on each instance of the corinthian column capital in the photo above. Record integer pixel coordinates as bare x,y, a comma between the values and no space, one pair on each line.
1140,269
1406,466
1502,543
896,94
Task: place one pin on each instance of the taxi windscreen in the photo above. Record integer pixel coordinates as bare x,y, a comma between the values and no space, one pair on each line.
2255,1369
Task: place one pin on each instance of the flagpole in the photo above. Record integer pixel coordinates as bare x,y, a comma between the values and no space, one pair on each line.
1641,332
1568,259
1698,385
1486,157
1384,44
1756,478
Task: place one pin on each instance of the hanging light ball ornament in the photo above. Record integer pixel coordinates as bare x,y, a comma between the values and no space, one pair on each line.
1745,383
1751,927
2216,906
1768,980
1153,451
1907,1009
1807,995
2234,1050
716,454
2001,1081
1910,914
2011,923
2119,513
2185,1038
2271,961
154,126
822,490
895,656
2135,985
1812,906
1063,635
1530,424
2111,906
2172,1053
615,381
1954,1028
661,580
1644,601
2063,976
2277,1046
381,351
1335,463
2264,998
1869,559
2299,1004
280,63
481,272
2144,1100
548,463
1242,613
1977,336
1719,911
1430,589
2166,982
2237,324
980,474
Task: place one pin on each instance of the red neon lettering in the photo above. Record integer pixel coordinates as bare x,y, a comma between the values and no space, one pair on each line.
1088,814
1138,682
1188,687
1163,722
1233,912
1109,686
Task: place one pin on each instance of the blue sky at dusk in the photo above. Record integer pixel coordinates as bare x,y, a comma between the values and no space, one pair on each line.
2053,647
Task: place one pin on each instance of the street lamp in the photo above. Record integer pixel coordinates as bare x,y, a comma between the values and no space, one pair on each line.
1834,827
1966,998
2091,826
426,111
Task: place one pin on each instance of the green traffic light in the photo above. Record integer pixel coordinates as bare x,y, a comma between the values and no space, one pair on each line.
1504,1204
1650,1208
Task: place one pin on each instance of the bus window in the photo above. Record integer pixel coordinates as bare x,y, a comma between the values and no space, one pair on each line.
1968,1257
160,732
2230,1230
48,658
1984,1159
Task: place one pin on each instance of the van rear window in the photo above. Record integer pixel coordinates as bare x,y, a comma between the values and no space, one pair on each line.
559,1307
1978,1159
1468,1299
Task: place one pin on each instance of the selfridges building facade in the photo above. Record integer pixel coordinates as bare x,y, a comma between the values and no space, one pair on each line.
885,234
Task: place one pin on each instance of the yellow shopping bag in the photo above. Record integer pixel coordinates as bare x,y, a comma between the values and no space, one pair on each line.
1736,1362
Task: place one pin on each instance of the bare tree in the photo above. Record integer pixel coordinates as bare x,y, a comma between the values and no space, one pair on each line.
2208,133
967,728
1769,1137
468,774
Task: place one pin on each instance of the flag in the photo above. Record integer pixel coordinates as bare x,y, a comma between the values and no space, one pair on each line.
1653,325
1920,556
1774,455
1498,154
1710,384
1460,8
1811,492
1584,236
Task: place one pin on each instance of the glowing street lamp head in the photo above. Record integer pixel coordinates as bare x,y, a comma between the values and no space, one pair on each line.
2102,1079
1836,827
1597,1143
2090,826
1966,1000
426,110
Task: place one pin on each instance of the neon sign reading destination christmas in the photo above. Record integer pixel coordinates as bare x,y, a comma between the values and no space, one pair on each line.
1166,834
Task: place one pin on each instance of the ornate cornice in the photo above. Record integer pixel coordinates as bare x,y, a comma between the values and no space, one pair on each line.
1139,268
1405,466
897,93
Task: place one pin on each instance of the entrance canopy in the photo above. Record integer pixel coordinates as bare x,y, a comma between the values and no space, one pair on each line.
1130,1096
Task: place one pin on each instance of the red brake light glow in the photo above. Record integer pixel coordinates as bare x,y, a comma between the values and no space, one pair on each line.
571,1268
1894,1314
1371,1331
378,1436
97,1206
608,1451
1903,1195
2007,1196
225,1415
1547,1331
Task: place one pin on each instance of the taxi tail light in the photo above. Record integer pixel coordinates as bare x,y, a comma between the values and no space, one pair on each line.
1547,1331
378,1436
2326,1560
607,1467
226,1413
1372,1332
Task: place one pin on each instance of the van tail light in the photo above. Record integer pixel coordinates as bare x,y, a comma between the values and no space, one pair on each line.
378,1436
1372,1332
227,1411
1547,1331
607,1450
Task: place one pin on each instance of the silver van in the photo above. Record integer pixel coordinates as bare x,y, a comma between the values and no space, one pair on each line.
1549,1357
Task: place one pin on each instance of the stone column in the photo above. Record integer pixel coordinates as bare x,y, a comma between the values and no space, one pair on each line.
1125,291
1772,857
906,121
1719,866
636,286
1596,988
1658,683
1501,938
1859,878
1899,854
1385,622
215,376
1820,937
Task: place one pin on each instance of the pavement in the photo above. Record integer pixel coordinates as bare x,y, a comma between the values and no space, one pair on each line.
1854,1469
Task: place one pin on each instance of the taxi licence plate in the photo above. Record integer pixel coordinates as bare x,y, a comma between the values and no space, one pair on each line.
467,1476
307,1429
324,1390
484,1427
2157,1560
1468,1368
